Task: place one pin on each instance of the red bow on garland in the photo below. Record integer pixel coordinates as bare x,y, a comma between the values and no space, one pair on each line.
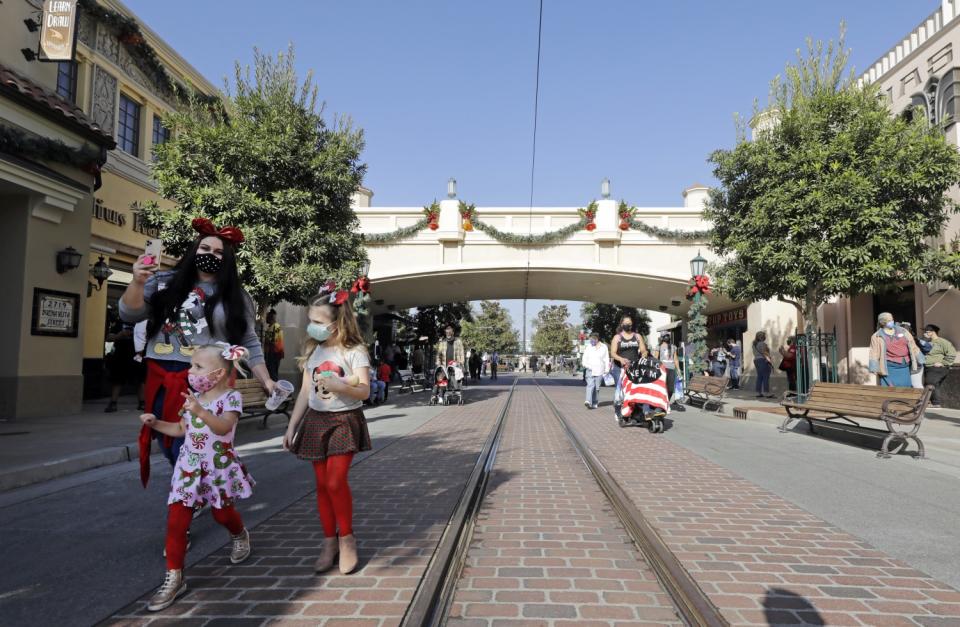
701,285
361,285
231,234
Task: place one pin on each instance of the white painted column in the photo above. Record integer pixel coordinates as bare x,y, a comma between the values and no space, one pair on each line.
948,10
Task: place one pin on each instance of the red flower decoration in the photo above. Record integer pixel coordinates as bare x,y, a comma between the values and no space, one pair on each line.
624,226
434,226
361,285
591,227
701,285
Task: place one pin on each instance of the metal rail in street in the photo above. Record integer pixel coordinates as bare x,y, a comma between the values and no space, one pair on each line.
691,602
434,594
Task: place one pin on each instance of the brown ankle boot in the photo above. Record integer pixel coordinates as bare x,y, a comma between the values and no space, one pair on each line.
348,554
328,555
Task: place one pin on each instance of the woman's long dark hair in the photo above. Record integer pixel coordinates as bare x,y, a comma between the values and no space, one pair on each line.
164,303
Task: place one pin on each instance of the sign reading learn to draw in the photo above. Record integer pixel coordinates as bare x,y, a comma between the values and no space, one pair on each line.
58,30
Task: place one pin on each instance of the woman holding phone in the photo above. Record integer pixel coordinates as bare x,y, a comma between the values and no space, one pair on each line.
199,302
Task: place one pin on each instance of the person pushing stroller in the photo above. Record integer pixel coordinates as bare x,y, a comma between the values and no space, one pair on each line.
450,360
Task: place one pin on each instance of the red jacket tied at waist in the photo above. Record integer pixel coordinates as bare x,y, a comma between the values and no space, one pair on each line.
174,385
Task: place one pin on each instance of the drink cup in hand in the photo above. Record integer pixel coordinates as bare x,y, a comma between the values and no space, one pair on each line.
281,392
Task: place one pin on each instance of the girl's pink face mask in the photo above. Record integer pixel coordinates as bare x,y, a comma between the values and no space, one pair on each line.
203,382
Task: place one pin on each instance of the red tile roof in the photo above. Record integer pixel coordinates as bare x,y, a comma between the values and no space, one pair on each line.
18,87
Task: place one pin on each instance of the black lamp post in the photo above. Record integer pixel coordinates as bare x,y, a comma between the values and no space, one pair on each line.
68,259
697,323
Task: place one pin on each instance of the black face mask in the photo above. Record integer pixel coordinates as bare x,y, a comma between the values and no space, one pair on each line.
208,263
628,327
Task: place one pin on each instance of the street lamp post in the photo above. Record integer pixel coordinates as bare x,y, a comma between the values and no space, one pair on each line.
697,325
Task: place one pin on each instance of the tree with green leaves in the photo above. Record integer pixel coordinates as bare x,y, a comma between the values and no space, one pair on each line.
430,321
552,334
492,330
834,195
269,164
604,319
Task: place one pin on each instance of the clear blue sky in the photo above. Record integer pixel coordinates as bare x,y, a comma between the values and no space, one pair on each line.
640,92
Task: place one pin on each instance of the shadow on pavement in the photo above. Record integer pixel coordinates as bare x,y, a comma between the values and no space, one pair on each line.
782,607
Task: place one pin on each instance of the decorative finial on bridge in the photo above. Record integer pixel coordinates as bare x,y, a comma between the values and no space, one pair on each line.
605,188
452,188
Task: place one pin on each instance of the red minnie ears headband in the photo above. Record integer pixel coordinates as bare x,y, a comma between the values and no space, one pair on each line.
231,234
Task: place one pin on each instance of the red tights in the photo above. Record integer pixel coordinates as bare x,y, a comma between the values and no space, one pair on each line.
178,523
334,501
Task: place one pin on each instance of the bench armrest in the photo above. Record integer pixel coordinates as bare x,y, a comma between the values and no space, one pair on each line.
789,397
907,412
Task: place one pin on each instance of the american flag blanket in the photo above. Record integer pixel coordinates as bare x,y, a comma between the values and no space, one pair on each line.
654,394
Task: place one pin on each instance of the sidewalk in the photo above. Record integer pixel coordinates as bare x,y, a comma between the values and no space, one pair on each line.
39,449
761,558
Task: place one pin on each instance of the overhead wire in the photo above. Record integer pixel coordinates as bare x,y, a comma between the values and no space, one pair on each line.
533,169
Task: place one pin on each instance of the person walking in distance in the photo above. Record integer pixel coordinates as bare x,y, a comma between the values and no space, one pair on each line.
893,353
336,380
735,357
762,364
273,344
494,364
788,363
942,355
596,364
626,347
667,354
209,470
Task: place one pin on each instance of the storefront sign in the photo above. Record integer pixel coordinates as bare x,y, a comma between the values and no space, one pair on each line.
140,227
55,313
727,317
59,30
112,216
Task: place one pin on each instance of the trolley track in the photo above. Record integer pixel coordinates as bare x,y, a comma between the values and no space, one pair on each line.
434,595
691,602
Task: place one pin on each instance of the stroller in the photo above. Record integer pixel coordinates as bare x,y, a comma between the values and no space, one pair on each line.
447,385
646,400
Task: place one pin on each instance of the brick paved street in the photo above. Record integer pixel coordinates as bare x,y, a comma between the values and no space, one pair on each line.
761,559
403,497
547,550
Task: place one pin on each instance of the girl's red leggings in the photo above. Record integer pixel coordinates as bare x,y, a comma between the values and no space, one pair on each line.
178,523
334,501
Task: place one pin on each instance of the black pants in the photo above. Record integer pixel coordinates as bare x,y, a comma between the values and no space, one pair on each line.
493,371
671,382
934,376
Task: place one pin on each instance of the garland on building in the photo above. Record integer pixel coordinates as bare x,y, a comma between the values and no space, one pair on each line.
469,215
697,327
128,32
471,221
23,144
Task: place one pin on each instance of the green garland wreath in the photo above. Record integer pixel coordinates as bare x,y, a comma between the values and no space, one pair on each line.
697,334
131,36
672,234
21,143
399,234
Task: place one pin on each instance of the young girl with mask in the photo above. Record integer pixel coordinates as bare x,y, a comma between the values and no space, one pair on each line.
207,470
336,380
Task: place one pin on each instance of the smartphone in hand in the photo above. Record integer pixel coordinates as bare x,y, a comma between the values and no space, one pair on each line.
153,251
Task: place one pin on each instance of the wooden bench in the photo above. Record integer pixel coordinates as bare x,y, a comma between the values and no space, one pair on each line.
844,406
410,382
254,401
706,390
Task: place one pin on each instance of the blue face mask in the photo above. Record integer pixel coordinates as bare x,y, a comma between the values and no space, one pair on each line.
890,324
593,342
319,332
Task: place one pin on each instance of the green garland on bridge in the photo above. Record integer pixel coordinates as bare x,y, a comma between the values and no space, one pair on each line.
469,214
399,234
628,218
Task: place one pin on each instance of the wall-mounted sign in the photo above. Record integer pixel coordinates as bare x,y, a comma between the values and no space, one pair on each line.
58,30
55,313
112,216
727,317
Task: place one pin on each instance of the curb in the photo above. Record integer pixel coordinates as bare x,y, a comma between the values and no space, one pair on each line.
30,474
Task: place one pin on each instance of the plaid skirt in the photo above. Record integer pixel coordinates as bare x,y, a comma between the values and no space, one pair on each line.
333,433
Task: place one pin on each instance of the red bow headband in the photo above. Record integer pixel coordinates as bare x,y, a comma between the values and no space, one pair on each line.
231,234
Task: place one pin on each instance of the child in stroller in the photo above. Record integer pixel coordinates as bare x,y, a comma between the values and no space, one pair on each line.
645,396
447,385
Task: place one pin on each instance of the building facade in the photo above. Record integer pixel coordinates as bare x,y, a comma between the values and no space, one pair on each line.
123,82
922,70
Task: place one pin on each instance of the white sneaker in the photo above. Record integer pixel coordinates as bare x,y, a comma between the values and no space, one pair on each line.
241,547
173,587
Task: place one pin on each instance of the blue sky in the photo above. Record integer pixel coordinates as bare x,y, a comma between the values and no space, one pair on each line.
640,92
